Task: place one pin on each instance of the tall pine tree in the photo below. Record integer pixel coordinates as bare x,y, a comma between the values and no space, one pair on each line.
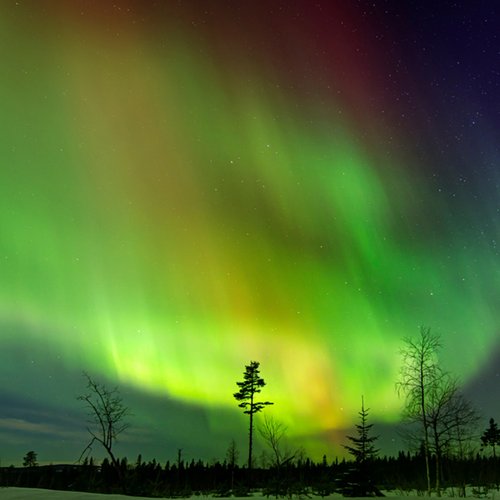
252,384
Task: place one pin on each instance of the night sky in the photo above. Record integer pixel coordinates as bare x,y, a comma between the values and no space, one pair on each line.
186,186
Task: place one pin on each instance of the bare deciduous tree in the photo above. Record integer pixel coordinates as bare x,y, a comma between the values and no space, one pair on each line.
458,424
451,419
433,401
106,418
420,377
464,418
273,433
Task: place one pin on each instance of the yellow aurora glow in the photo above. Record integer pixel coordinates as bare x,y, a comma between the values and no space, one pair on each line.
169,219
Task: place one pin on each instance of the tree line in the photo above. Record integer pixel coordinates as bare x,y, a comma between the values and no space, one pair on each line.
302,476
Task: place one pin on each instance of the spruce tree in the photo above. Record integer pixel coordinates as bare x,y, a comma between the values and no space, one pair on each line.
252,384
363,450
491,436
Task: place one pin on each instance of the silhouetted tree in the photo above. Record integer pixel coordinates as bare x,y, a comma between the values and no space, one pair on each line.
232,455
491,437
282,481
463,429
450,418
420,377
363,450
273,432
252,385
460,421
433,401
106,421
30,459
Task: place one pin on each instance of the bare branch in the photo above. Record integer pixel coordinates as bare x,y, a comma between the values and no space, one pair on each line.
273,432
106,414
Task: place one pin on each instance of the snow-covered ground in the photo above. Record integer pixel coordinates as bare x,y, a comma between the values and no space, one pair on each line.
39,494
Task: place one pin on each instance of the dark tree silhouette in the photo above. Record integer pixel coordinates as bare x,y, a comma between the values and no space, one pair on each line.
252,384
30,459
450,418
273,432
106,420
420,377
232,455
433,402
491,437
282,481
362,448
462,426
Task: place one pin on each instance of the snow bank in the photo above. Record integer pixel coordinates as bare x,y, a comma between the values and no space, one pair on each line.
39,494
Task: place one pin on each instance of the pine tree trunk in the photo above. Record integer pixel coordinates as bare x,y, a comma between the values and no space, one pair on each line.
250,439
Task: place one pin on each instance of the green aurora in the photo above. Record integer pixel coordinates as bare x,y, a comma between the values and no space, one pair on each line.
170,210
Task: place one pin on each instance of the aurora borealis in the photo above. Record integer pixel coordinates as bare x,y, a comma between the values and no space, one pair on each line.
186,186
